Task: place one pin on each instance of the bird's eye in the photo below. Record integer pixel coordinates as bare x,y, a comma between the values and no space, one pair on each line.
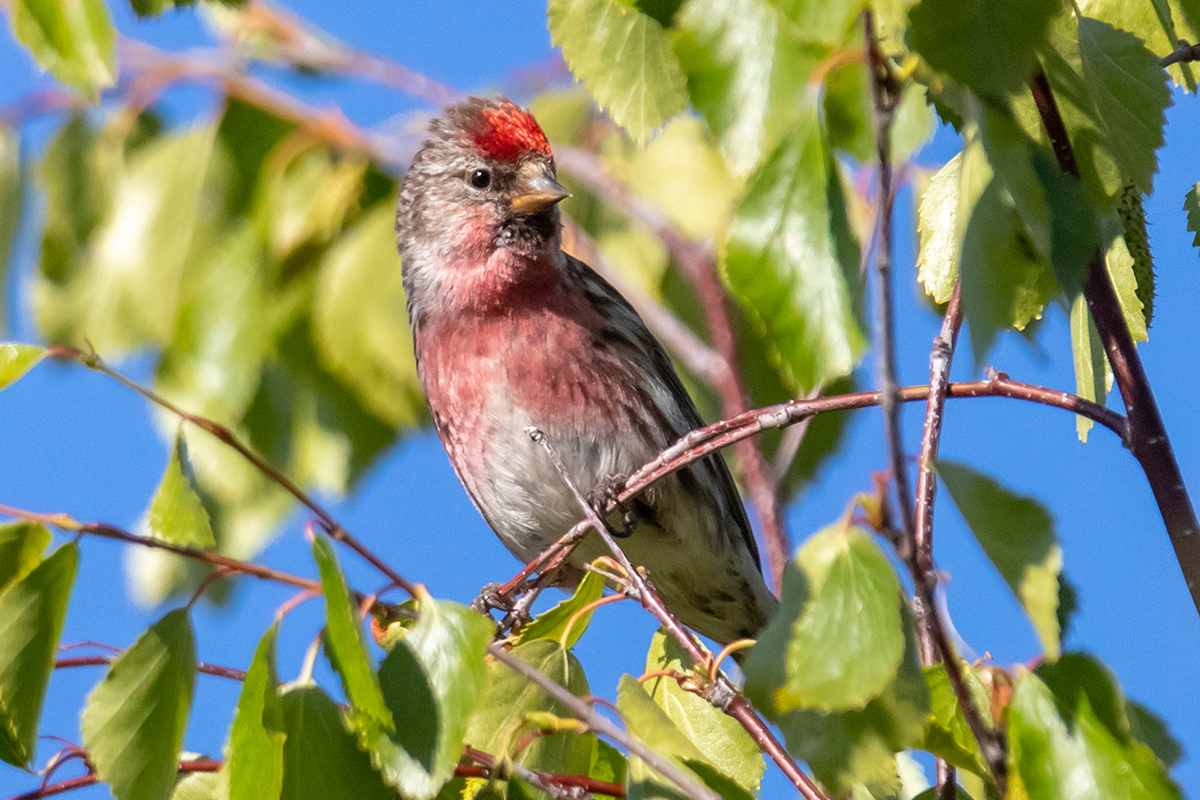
480,178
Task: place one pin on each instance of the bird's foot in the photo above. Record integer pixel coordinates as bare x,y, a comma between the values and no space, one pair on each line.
607,494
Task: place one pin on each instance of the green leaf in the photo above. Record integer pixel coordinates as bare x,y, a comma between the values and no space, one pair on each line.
12,194
432,680
500,720
320,759
21,548
1018,536
654,728
74,41
723,740
1093,375
987,46
153,8
828,21
1062,743
1150,729
176,514
305,204
1154,24
945,209
1135,249
254,757
849,110
552,624
1074,227
947,734
1191,205
32,610
16,360
624,58
359,336
198,786
749,96
838,630
608,764
134,720
1005,283
1131,95
346,644
792,259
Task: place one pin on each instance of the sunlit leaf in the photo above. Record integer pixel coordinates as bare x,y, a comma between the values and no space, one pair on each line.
21,548
624,57
432,681
152,8
793,260
306,203
1093,375
198,786
749,94
176,514
823,20
320,759
1158,23
32,611
134,720
942,217
986,46
12,193
553,623
838,630
722,739
16,360
1018,535
346,643
359,334
72,39
947,734
254,756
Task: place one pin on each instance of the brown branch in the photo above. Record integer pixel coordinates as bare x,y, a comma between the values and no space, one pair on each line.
582,711
104,530
698,262
185,767
229,438
489,767
722,694
100,661
1148,440
1183,54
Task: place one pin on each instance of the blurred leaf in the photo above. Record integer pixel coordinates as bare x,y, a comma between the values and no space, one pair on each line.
33,608
152,8
1018,535
624,58
1004,281
254,755
360,334
21,548
12,194
248,134
346,644
1134,251
500,720
134,720
552,623
1150,729
1154,24
986,46
320,759
723,741
947,734
1062,740
827,21
176,514
306,202
1093,375
748,94
16,360
914,123
432,681
849,110
838,630
1130,91
1191,204
198,786
608,764
932,794
74,40
654,728
792,259
1074,229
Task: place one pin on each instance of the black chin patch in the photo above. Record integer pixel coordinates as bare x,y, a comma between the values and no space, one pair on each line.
527,232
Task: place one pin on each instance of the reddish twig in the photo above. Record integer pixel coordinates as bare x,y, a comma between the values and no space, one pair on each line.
199,765
102,661
1148,440
490,767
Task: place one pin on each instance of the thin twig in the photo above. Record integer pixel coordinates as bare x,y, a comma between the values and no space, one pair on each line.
99,661
686,782
1148,440
699,263
230,439
491,767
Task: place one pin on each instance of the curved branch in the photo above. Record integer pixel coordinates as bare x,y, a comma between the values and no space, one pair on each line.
103,661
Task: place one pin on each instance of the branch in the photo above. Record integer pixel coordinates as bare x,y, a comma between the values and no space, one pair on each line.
687,782
1148,440
1183,53
185,767
100,661
229,438
699,263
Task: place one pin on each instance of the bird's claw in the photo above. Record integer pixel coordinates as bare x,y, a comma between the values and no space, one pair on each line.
607,494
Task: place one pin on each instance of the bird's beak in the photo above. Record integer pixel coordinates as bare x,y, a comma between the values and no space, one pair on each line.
537,190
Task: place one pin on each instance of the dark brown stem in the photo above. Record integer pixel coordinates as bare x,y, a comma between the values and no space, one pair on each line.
1148,440
99,661
1183,53
231,440
698,262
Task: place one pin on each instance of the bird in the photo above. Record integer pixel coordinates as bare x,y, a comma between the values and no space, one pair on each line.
512,333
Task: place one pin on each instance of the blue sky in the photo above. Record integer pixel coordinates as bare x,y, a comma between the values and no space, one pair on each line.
73,441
